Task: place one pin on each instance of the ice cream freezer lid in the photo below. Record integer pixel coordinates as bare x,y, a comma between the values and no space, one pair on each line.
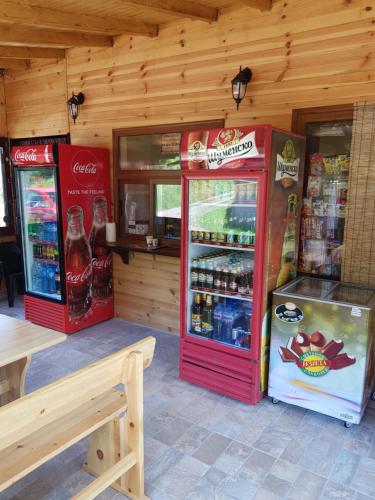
329,291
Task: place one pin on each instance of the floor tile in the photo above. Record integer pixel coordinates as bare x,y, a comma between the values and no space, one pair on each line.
364,477
337,491
212,448
257,467
308,486
200,445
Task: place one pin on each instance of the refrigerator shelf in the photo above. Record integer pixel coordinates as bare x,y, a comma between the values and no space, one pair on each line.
44,242
47,261
228,246
226,295
222,342
225,205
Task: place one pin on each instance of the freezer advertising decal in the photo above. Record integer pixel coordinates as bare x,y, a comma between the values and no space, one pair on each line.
321,363
33,155
222,148
314,354
88,259
287,165
229,145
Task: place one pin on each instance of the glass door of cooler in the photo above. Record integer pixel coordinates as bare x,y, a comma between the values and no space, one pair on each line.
220,260
38,208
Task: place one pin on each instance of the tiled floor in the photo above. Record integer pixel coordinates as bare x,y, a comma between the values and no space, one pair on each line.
202,446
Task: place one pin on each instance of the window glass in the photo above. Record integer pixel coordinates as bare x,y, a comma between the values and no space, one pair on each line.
150,152
168,210
136,207
325,198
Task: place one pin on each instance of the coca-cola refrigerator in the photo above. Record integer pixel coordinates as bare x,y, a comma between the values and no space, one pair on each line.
63,199
242,196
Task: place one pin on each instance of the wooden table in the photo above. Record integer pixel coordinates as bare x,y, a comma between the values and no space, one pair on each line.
19,339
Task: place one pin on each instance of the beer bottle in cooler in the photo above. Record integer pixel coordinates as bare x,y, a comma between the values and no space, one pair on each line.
194,272
78,266
101,254
207,318
196,315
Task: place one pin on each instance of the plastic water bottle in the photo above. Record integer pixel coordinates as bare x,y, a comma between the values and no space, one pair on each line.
44,278
217,319
34,276
51,269
227,325
54,232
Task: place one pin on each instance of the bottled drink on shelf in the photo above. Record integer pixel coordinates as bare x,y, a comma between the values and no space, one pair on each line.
224,280
194,235
233,284
242,282
221,236
58,279
202,274
207,317
206,236
196,315
210,276
31,228
217,278
51,278
194,272
227,324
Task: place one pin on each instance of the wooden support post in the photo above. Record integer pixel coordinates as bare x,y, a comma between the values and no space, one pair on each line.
134,479
13,376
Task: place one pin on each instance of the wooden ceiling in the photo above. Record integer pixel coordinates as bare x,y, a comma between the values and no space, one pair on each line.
45,28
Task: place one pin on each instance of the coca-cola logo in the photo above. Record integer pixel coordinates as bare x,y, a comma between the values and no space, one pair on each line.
23,156
89,168
86,168
102,263
80,276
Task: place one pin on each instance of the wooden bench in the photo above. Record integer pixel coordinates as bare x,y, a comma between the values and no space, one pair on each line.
39,426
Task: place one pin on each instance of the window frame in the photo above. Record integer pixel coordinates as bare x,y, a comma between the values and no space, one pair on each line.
9,197
148,177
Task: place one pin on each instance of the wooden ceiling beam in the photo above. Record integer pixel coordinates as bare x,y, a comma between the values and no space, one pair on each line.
41,17
179,8
14,63
11,34
31,53
258,4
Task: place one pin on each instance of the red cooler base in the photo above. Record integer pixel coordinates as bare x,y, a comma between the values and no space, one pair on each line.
55,316
220,372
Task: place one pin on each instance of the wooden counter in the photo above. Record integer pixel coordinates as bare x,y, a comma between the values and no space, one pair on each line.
147,290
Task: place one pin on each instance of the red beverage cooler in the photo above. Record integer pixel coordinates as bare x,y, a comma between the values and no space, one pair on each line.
63,198
242,197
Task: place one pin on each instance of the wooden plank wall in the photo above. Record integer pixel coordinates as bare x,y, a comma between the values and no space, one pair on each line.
147,290
302,53
36,100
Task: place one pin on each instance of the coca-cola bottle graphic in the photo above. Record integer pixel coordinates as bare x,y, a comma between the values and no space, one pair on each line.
78,266
101,255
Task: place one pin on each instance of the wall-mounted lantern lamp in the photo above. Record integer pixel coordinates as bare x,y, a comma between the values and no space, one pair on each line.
74,103
239,84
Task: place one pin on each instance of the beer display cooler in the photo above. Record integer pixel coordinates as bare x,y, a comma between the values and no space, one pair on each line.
63,196
242,196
